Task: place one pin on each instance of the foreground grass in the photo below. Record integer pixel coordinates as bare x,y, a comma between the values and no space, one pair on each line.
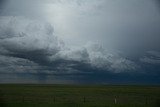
78,96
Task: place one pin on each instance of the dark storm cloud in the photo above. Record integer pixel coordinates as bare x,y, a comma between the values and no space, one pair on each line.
76,49
36,42
2,2
32,48
157,2
14,43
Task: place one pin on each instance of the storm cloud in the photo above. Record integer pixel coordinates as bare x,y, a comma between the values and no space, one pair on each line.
80,40
35,41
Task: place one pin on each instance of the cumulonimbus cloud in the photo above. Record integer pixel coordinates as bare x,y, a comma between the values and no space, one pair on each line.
24,39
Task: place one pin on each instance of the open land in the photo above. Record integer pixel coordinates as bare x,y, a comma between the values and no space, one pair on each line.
34,95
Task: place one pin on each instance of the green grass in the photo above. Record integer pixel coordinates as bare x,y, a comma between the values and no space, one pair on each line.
12,95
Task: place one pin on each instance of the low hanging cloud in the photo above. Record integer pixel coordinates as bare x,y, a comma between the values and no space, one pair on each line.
152,57
13,65
30,46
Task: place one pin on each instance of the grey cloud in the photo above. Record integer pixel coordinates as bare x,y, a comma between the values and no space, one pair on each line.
90,37
100,58
17,65
39,44
36,44
117,24
152,57
20,34
154,53
96,57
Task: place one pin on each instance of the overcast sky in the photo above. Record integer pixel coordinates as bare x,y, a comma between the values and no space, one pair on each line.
80,41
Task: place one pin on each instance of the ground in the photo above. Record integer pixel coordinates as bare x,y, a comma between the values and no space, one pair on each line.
27,95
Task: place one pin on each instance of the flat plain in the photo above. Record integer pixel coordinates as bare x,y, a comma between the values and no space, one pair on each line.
40,95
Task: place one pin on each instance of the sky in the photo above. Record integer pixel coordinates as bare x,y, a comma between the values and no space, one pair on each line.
80,41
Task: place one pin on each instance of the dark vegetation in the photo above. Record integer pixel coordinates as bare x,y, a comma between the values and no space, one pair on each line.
18,95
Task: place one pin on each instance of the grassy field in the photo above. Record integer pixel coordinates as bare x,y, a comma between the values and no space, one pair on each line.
78,96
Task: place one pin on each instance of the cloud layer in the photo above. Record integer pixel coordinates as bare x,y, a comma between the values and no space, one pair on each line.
79,40
26,40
